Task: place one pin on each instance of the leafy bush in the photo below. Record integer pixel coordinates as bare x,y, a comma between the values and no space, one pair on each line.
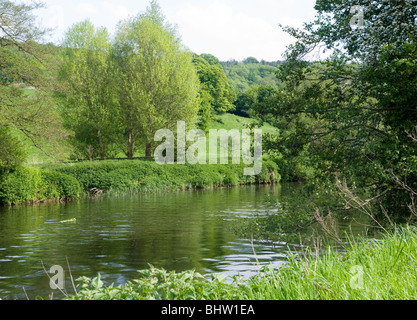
387,270
29,184
145,176
21,185
157,284
12,151
58,185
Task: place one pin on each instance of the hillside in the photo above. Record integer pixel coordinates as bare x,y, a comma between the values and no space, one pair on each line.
241,76
230,121
250,72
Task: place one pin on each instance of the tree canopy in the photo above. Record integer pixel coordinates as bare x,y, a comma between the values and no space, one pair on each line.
24,62
216,94
360,99
89,90
158,83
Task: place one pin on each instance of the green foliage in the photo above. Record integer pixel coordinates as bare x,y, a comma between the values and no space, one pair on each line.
158,84
58,185
250,60
145,176
20,186
12,152
216,95
88,91
23,63
29,184
387,268
244,75
157,284
352,115
257,100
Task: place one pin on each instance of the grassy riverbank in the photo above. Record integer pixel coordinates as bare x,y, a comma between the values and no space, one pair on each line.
58,181
368,270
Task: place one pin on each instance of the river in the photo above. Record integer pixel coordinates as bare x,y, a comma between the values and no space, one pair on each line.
120,234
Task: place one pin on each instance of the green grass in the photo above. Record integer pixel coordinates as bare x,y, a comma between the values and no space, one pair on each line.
230,121
224,121
388,272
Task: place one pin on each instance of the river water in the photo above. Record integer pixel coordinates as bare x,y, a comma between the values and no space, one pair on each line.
120,234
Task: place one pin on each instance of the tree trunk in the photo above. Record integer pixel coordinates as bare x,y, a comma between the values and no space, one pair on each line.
148,149
90,152
131,145
100,143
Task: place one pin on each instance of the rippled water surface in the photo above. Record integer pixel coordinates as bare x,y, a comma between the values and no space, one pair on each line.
118,235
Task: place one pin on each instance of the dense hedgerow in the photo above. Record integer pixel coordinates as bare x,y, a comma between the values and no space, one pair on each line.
33,184
142,175
30,184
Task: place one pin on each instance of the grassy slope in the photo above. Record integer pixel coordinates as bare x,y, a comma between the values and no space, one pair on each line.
230,121
225,121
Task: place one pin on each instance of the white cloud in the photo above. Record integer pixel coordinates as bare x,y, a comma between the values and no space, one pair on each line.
119,11
85,7
220,29
278,4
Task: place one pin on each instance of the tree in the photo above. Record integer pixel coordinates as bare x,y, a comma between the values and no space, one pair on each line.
89,89
158,83
256,100
23,62
360,98
212,60
12,152
242,76
250,60
215,88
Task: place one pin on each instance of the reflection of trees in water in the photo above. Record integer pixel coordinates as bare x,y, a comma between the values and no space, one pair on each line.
117,235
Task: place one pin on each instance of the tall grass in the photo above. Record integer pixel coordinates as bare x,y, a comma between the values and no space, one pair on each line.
367,270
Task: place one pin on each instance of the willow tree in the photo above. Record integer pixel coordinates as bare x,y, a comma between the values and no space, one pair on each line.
88,90
158,84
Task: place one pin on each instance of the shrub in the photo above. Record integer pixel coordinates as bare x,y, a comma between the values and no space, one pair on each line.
157,284
21,185
58,185
148,176
119,179
12,152
29,184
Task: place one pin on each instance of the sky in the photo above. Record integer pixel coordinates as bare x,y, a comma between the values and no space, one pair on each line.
228,29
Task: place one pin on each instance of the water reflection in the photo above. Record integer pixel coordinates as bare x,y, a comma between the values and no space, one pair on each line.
120,234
